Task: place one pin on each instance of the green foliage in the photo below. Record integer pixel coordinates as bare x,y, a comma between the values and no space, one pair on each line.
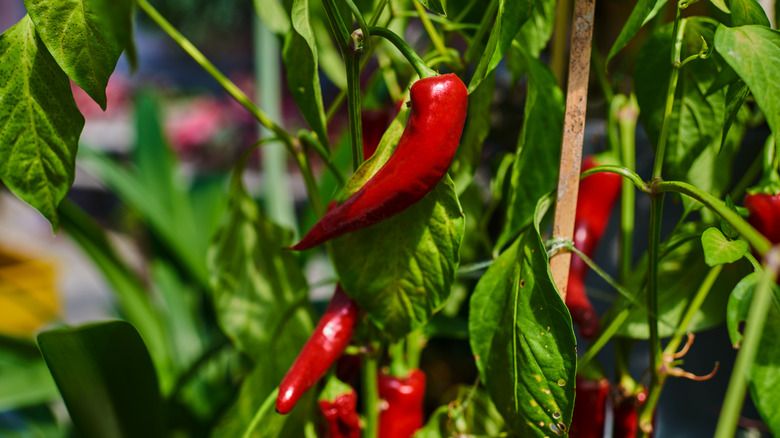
39,122
522,339
24,378
106,377
764,372
643,12
719,250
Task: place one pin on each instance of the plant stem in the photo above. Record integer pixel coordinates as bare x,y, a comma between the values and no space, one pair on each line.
414,59
432,33
340,30
627,117
754,327
352,62
371,395
229,86
264,408
653,258
679,30
484,28
756,239
560,38
359,17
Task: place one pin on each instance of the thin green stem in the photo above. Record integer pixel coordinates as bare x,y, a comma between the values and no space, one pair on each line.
309,181
466,10
438,43
679,30
627,118
414,59
352,62
309,140
647,410
653,259
371,395
754,327
601,75
620,170
340,30
560,41
229,86
264,408
606,334
756,239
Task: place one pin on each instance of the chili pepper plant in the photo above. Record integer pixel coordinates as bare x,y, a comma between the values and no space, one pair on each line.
429,147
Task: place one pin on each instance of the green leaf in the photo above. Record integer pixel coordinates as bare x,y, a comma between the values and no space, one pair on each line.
730,232
680,273
24,378
644,11
273,15
106,377
763,377
535,169
536,32
259,290
303,79
522,339
477,128
698,114
721,4
511,16
400,271
434,5
718,250
86,38
754,53
328,55
747,12
39,122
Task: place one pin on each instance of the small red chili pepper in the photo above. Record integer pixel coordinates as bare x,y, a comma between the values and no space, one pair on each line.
625,414
590,403
402,407
340,412
764,215
421,159
597,195
330,338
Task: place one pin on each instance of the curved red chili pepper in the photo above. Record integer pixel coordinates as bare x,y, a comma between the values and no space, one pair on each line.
329,339
590,403
597,195
764,215
341,416
419,162
402,410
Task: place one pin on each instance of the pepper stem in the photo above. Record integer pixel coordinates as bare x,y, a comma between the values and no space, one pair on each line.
418,64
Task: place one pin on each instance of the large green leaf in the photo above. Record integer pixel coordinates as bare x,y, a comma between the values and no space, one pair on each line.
754,53
698,114
85,37
535,169
764,376
477,128
510,18
258,288
644,11
680,274
106,377
747,12
39,122
303,79
536,32
523,342
24,378
400,270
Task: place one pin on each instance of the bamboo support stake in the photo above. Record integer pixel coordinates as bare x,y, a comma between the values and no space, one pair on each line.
573,134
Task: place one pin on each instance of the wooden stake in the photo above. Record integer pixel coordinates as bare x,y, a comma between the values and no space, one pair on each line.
573,134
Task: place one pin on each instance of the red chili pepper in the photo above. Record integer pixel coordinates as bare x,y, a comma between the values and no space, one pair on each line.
402,410
597,195
325,345
625,412
590,404
764,215
419,162
341,415
375,122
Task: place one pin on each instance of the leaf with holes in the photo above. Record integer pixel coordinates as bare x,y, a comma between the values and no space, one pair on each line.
40,124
